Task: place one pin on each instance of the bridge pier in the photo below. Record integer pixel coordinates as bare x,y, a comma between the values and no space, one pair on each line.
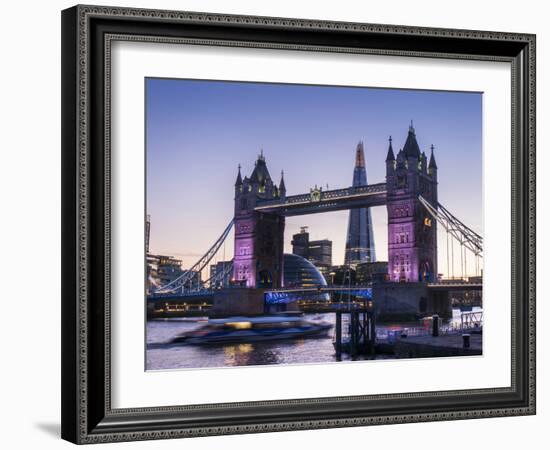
238,301
439,302
242,301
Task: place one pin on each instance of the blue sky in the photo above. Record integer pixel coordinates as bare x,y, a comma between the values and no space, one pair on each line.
199,131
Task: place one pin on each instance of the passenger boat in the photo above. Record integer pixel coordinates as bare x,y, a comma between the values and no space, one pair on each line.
253,329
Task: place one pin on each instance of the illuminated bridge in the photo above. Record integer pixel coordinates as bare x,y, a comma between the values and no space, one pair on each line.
410,196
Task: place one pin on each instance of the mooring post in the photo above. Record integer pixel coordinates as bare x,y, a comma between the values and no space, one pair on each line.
435,325
353,333
358,323
465,340
365,332
338,334
372,332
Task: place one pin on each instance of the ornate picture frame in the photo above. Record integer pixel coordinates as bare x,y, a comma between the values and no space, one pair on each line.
87,35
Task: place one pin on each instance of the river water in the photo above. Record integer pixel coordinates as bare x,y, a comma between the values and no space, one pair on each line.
161,355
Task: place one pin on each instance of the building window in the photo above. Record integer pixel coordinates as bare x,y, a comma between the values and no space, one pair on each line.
401,211
402,238
243,251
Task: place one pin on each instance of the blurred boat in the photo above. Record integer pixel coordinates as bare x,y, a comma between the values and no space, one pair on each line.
253,329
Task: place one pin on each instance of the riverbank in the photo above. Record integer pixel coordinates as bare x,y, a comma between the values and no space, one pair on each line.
430,346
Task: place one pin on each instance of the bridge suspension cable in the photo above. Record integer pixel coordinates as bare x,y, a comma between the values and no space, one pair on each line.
457,230
187,276
462,233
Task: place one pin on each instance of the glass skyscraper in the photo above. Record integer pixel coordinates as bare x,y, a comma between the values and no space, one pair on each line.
360,238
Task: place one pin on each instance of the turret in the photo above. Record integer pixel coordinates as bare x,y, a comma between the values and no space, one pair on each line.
282,187
390,159
260,179
411,148
432,167
423,163
239,181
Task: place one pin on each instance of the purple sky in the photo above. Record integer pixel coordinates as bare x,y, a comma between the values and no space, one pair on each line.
199,131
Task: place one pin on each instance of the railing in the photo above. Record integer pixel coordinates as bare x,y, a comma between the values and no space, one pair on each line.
180,294
457,282
455,279
328,287
470,321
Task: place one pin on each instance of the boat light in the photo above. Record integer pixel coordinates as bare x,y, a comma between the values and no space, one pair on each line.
240,325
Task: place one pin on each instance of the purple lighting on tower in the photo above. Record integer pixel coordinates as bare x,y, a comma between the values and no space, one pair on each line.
259,238
412,234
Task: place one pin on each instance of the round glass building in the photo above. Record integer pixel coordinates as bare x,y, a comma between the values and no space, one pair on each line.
299,272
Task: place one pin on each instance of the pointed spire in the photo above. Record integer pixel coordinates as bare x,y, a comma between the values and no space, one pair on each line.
260,174
432,164
282,187
423,162
360,155
391,156
411,148
239,181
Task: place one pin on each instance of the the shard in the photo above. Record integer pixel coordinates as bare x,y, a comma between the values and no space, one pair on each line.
360,238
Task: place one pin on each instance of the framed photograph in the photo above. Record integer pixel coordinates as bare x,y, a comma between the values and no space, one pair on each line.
279,224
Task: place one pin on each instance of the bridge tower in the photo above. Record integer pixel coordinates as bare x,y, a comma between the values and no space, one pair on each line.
412,234
259,237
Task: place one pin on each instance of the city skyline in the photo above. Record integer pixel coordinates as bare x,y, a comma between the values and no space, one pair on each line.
198,132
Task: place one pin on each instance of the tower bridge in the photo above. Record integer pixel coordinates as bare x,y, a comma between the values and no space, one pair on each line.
261,207
410,195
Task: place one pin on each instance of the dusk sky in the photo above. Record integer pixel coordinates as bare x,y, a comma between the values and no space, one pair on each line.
199,131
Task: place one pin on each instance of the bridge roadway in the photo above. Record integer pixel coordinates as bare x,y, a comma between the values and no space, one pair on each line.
456,286
359,290
287,294
324,201
441,286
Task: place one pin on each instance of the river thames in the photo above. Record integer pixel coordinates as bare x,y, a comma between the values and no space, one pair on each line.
162,356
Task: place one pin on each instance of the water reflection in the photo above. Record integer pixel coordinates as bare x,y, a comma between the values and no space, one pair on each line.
161,355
